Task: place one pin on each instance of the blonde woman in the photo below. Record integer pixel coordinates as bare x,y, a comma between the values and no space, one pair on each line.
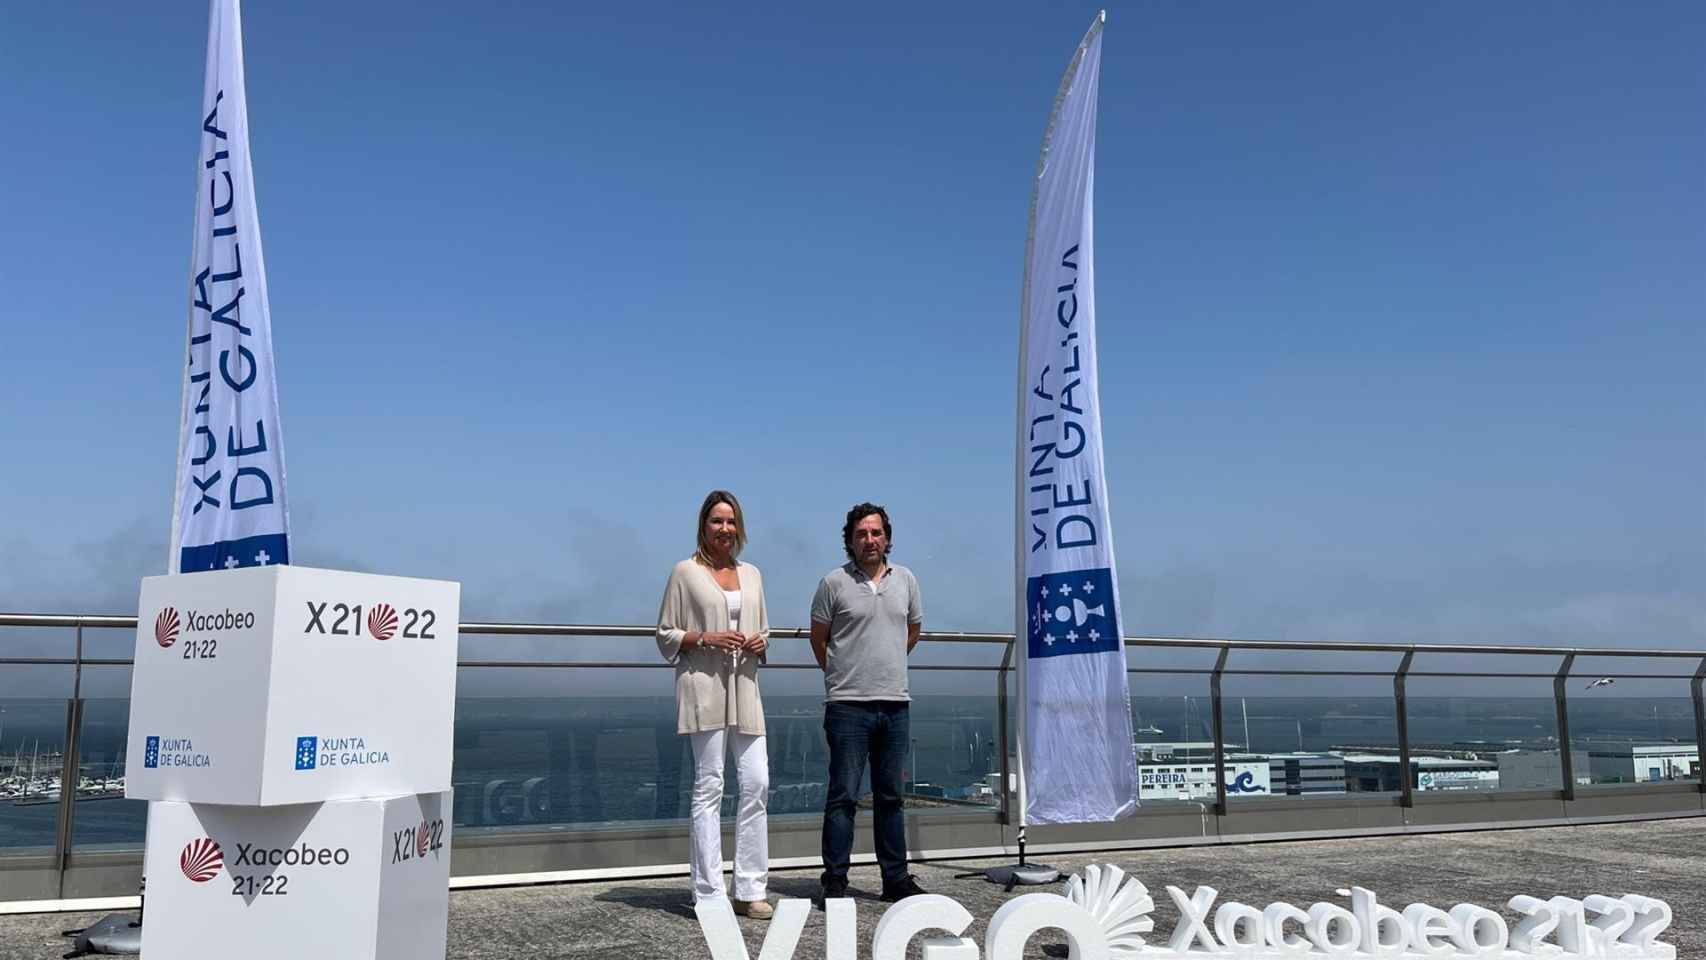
714,628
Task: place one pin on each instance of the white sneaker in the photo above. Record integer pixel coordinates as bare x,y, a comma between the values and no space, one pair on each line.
756,909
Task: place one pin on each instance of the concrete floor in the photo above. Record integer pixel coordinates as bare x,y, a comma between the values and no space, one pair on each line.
649,919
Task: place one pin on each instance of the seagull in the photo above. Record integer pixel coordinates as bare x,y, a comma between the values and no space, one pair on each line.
1601,682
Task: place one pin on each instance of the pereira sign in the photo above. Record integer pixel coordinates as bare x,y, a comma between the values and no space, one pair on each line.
1104,916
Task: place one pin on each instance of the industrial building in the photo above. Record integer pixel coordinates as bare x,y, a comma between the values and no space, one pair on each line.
1379,773
1643,762
1540,769
1305,774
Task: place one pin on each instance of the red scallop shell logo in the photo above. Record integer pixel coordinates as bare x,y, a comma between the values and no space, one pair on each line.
202,859
382,621
166,627
421,839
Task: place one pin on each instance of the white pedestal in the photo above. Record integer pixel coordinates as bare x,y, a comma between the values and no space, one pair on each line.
357,879
286,685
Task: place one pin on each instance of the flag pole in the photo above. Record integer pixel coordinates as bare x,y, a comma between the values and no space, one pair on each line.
223,72
174,544
1025,872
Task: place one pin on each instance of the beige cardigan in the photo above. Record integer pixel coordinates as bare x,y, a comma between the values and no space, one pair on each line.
708,694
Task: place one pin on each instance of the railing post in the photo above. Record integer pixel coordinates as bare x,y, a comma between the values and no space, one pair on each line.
1406,789
67,790
1565,764
1700,725
77,667
70,767
1219,733
1001,726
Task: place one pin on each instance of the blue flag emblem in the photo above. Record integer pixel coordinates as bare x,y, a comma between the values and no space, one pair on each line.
1072,612
258,551
307,751
151,753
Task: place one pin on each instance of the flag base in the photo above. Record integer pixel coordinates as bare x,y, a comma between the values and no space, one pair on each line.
1022,875
113,933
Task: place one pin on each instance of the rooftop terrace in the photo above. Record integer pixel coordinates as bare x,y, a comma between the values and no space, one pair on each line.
652,919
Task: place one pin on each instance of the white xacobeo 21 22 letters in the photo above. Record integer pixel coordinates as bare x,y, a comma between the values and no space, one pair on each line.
1104,915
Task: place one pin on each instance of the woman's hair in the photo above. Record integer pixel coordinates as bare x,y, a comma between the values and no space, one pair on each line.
711,500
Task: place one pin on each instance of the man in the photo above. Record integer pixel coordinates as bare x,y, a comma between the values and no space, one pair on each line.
866,618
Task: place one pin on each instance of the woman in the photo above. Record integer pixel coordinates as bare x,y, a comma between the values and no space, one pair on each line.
714,627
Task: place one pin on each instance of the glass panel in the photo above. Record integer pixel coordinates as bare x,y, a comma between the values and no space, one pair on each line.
106,683
106,643
609,754
547,648
1483,733
955,760
37,642
537,761
1631,730
1307,736
104,818
1172,724
32,756
32,737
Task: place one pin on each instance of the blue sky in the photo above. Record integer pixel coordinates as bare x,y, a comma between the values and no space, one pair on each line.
1401,307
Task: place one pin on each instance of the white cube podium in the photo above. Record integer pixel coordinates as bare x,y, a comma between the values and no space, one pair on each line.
356,879
281,685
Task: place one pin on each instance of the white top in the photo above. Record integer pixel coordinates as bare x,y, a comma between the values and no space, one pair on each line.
734,605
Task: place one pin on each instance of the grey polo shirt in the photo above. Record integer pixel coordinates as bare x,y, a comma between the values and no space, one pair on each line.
867,631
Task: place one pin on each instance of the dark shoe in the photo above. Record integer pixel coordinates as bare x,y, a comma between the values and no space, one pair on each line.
833,890
906,888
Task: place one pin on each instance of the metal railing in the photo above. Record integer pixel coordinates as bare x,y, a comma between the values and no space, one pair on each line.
1560,679
1559,673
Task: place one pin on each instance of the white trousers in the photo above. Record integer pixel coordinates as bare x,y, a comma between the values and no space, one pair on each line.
752,832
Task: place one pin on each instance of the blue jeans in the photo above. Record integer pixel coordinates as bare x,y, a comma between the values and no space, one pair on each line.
857,730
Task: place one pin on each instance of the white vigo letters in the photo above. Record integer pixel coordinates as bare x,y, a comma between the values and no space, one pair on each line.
840,930
722,933
1020,917
1121,906
1105,912
913,916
